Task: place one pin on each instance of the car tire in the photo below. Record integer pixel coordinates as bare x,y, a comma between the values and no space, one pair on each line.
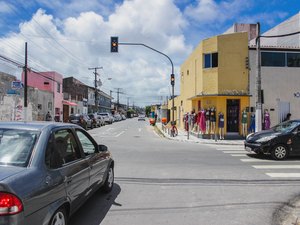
279,152
109,182
59,217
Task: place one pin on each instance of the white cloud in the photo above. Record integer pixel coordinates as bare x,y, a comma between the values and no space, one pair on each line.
71,45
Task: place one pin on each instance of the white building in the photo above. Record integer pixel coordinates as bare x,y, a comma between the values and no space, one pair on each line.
280,70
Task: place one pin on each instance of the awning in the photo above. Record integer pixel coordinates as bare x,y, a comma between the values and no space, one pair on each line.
65,102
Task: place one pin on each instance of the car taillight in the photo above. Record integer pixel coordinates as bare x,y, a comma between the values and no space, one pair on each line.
9,204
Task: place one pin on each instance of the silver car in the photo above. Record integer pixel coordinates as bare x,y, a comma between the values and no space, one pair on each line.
48,170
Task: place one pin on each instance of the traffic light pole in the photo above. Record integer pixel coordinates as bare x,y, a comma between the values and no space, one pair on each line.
173,84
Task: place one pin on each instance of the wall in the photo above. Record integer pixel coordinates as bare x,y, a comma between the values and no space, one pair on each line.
280,84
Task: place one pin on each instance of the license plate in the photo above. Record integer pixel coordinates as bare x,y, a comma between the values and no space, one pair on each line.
248,149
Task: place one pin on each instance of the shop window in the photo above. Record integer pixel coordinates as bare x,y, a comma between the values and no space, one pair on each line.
274,59
293,59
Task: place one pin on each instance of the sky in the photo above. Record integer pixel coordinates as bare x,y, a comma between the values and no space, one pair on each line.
71,36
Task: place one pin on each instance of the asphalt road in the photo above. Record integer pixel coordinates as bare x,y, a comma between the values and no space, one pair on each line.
159,181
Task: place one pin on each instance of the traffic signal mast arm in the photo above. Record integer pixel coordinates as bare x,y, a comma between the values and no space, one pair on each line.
153,49
116,44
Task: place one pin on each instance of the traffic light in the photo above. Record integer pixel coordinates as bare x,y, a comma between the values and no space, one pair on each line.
172,79
114,43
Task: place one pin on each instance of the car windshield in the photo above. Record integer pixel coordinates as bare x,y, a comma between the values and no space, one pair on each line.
286,126
16,146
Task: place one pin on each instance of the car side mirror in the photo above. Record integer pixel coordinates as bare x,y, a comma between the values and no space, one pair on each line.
102,148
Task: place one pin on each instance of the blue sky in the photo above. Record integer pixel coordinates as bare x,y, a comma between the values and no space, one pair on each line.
70,36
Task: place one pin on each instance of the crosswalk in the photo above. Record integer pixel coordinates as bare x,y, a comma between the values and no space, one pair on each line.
289,168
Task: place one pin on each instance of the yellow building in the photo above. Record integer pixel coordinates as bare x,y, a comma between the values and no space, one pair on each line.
216,75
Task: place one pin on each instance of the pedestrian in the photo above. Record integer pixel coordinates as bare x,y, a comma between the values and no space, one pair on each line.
288,117
48,116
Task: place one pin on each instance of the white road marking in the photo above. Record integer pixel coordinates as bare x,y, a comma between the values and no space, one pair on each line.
284,175
277,167
230,152
233,149
140,129
258,160
239,155
120,134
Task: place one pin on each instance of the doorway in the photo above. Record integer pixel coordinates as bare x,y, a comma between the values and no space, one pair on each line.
233,112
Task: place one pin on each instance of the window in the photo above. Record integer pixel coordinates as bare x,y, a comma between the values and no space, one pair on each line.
211,60
16,146
87,145
275,59
61,149
58,87
50,105
293,59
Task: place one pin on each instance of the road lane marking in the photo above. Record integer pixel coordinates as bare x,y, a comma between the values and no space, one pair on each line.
239,155
140,129
277,167
122,132
283,175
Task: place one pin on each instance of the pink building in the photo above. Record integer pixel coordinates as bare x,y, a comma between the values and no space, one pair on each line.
50,82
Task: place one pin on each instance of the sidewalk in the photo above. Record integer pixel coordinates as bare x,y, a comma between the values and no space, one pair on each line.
183,136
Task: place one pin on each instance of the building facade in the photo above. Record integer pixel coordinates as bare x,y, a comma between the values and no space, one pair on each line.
46,89
215,78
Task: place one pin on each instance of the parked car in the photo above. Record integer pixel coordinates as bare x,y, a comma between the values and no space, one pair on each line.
279,141
96,122
141,117
108,118
101,119
48,170
117,117
82,120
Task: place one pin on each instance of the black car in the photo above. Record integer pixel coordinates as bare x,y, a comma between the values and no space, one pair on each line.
279,141
48,170
82,120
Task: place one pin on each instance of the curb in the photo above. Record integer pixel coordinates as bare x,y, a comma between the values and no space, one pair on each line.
288,213
200,141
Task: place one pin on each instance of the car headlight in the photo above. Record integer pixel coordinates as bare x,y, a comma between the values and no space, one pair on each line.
265,139
249,135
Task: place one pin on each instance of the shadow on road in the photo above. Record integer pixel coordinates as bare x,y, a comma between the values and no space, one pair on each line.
268,157
96,208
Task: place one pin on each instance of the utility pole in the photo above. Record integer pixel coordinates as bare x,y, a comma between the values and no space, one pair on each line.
118,93
96,68
258,116
25,84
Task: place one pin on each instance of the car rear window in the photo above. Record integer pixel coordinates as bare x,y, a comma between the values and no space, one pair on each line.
16,146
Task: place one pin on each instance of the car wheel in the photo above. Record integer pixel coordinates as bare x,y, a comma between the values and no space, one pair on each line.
59,217
109,182
279,152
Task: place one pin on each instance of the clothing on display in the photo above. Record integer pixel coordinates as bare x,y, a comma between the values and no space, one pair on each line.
252,123
244,123
267,120
221,125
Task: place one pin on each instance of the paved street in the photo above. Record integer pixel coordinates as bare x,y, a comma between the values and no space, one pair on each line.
160,181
